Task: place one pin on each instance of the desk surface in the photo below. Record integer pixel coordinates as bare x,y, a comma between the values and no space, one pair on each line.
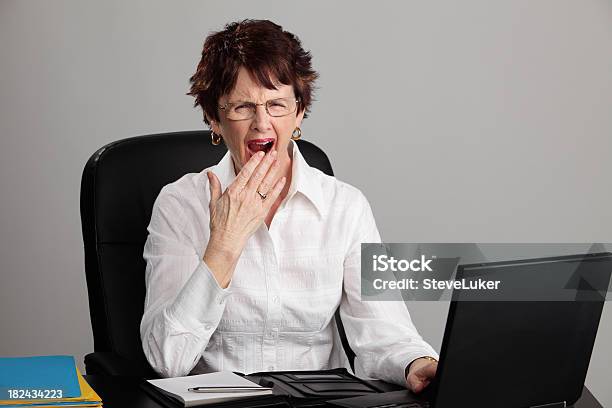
120,392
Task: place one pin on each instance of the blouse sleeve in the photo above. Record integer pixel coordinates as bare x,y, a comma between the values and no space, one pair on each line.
381,333
184,303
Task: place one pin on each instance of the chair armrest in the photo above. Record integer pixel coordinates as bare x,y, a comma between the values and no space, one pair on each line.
109,363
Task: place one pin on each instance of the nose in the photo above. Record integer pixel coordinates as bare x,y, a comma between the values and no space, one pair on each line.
261,120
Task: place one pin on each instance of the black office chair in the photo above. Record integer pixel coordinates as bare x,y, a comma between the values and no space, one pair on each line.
119,186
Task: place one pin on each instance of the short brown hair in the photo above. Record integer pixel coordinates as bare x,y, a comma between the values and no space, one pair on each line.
267,51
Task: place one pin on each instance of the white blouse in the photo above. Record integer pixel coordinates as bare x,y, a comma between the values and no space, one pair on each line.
278,311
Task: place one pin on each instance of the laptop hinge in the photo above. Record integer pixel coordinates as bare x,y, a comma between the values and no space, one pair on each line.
561,404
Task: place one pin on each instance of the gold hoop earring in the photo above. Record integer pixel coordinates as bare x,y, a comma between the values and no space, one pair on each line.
297,134
215,138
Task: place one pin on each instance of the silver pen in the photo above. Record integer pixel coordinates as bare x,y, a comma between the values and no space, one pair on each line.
228,389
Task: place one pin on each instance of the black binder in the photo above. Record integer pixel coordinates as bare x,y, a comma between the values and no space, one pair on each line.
309,387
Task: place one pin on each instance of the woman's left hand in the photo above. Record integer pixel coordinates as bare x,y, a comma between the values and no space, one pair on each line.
420,374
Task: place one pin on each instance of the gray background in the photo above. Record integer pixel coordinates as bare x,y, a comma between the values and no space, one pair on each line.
474,121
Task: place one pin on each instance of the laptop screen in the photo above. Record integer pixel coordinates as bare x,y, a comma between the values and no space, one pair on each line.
521,353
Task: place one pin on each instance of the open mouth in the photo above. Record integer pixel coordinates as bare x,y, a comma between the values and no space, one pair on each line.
258,145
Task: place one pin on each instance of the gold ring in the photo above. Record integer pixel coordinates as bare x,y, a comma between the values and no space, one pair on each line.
262,195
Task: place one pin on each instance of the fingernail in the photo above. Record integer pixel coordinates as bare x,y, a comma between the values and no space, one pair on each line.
260,154
273,154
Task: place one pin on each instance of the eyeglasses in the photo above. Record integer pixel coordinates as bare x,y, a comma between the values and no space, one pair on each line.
246,110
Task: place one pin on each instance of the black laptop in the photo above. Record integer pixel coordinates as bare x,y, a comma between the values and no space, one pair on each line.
520,352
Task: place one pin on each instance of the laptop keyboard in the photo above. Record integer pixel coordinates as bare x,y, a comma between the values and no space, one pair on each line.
411,404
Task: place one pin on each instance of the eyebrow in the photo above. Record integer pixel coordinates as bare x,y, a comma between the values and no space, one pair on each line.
247,101
247,97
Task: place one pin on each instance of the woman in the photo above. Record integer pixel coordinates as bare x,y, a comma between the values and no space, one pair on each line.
248,260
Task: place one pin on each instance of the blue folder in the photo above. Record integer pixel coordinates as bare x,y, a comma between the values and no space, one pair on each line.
39,373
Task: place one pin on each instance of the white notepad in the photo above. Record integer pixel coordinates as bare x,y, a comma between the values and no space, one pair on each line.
177,388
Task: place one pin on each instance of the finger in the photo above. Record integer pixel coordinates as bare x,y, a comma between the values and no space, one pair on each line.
261,171
268,181
273,195
215,188
245,174
415,384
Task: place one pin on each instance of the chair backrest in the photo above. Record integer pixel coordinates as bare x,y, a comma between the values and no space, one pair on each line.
119,186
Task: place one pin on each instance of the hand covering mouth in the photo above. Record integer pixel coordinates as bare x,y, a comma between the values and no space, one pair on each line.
257,145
